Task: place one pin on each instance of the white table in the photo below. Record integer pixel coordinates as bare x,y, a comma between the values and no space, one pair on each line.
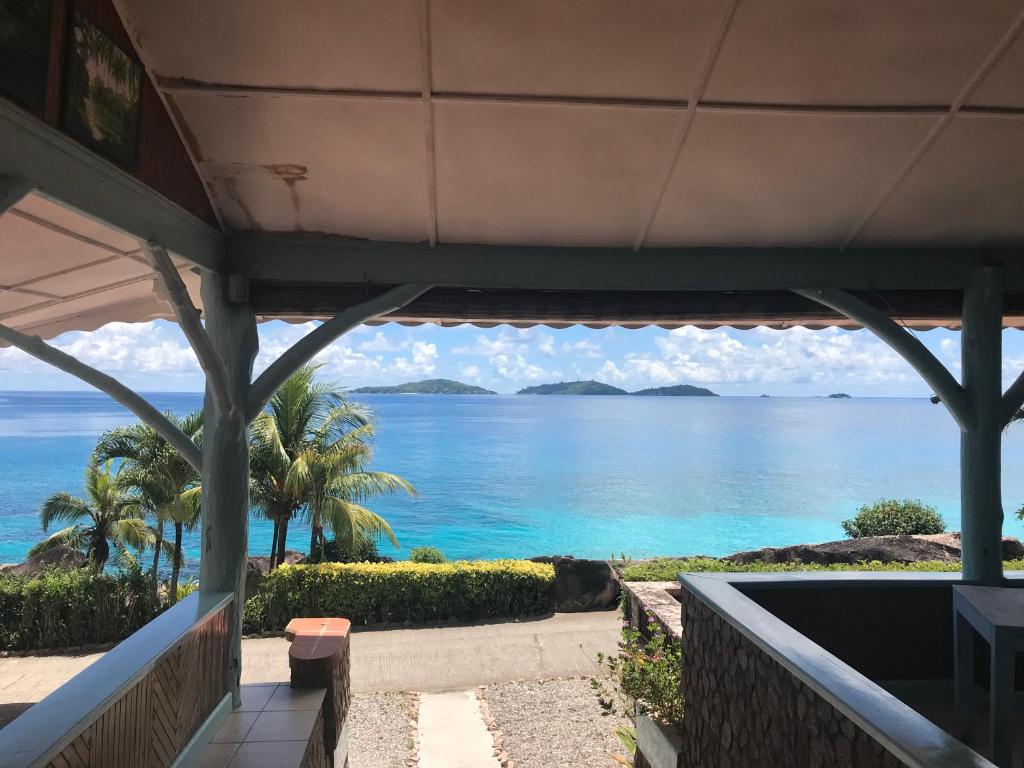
997,614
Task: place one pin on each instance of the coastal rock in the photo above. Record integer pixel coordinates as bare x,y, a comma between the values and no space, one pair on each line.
256,568
60,557
582,585
944,547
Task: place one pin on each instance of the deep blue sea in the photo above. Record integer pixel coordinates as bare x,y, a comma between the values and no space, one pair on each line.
591,476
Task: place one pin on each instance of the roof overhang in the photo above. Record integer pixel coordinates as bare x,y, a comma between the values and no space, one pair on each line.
662,163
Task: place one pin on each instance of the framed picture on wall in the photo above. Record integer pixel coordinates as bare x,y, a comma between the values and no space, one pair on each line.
101,96
24,51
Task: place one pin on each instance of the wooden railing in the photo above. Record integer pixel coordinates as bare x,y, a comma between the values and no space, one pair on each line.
141,704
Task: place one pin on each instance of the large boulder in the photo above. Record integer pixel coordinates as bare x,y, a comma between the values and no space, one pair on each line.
59,557
944,547
256,568
582,585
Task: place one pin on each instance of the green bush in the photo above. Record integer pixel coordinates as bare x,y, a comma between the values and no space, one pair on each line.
426,555
372,593
365,551
62,608
667,568
892,517
647,670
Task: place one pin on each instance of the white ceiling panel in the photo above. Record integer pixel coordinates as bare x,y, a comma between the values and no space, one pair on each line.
327,44
908,52
641,49
968,189
545,174
768,178
292,163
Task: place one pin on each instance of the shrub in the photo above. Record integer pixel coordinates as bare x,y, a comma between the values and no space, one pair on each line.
62,608
647,670
667,568
371,593
186,589
426,555
365,551
891,517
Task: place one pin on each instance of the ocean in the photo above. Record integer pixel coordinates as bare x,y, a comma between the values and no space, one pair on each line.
518,476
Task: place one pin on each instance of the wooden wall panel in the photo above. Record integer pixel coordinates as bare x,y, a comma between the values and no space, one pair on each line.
162,161
151,722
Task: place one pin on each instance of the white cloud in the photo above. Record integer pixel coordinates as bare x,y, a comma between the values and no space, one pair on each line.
381,343
135,348
507,343
794,356
518,368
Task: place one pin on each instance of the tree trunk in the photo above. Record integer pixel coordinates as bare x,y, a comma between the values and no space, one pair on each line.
100,553
313,541
282,545
172,596
155,571
273,544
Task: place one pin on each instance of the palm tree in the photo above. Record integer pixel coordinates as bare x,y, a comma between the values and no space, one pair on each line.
167,486
330,475
108,516
306,422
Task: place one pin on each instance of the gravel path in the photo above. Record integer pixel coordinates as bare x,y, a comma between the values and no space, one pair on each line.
380,733
553,724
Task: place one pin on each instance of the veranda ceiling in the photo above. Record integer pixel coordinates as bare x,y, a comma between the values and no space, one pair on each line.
602,122
648,124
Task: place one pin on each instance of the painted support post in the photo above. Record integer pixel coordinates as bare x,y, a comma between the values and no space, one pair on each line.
981,510
231,328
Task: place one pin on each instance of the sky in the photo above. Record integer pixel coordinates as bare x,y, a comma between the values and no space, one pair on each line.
154,357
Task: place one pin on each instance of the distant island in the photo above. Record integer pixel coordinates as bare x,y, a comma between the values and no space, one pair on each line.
678,390
573,388
840,396
765,395
597,388
426,387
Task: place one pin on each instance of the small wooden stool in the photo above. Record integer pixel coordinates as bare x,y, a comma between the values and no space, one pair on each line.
319,658
997,614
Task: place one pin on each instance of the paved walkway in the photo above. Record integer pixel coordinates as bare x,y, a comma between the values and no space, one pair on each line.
429,660
452,733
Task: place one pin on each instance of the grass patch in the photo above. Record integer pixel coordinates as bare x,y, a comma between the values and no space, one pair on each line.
666,568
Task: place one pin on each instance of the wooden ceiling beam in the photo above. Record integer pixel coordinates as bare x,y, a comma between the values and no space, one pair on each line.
339,261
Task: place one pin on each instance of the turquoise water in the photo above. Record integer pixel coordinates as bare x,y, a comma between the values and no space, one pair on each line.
590,476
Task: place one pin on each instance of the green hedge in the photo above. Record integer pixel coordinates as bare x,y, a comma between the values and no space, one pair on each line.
666,568
372,593
63,608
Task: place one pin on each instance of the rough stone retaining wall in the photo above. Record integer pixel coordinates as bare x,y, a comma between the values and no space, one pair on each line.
743,709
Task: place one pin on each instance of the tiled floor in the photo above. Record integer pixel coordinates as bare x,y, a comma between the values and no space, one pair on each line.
270,729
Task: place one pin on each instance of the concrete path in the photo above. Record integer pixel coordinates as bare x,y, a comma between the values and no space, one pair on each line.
456,658
435,659
452,733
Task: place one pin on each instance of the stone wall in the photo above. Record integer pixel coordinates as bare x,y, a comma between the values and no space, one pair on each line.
744,710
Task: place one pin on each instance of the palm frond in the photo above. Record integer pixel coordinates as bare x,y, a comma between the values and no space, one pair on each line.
65,508
360,486
349,522
72,537
131,532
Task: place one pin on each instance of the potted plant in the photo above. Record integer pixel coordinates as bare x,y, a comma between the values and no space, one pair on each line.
643,679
